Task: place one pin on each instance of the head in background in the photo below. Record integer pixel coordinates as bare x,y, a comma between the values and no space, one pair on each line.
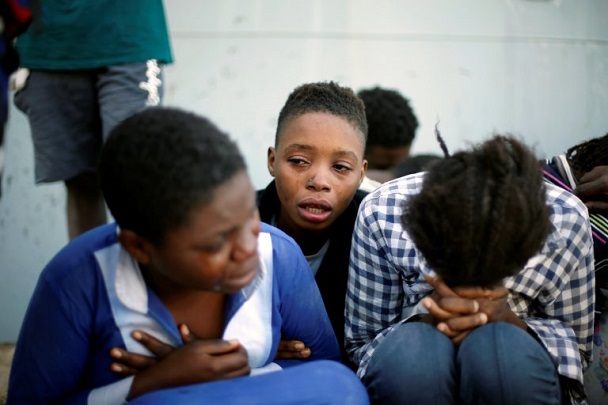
317,160
415,164
481,213
392,127
178,189
587,155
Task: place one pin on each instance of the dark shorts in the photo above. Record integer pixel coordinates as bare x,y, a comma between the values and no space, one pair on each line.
72,112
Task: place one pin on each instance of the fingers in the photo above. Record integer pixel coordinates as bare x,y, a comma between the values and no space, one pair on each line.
187,336
593,184
291,345
123,370
482,292
239,372
158,348
233,364
441,288
219,347
292,349
452,327
460,337
597,206
450,307
287,354
128,363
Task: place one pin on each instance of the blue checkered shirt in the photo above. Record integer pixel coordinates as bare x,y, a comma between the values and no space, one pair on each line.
553,294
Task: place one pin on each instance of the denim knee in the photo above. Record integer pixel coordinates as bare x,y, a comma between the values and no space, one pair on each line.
414,363
500,363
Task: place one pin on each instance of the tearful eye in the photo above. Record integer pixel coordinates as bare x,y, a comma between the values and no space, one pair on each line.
297,161
213,248
342,168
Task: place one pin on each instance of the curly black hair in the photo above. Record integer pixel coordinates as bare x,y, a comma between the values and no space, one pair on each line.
159,164
586,155
326,97
481,214
390,119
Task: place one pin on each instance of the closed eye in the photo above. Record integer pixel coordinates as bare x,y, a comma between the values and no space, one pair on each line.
213,248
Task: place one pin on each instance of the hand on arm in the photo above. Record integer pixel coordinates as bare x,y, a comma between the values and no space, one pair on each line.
194,362
593,189
292,349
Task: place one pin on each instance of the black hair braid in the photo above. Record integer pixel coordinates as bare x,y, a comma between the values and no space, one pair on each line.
585,156
444,148
481,214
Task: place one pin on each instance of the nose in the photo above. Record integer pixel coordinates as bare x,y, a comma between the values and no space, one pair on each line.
319,181
246,240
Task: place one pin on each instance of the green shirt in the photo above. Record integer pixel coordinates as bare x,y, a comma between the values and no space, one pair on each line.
88,34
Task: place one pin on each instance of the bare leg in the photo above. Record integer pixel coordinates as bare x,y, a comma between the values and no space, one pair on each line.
85,205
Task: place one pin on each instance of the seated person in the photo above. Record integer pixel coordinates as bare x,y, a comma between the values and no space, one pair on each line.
583,169
187,263
317,162
473,218
392,127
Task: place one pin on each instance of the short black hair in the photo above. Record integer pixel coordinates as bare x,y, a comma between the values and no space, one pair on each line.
390,119
586,155
325,97
159,164
481,214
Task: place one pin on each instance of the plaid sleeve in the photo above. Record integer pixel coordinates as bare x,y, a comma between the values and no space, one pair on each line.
554,294
385,281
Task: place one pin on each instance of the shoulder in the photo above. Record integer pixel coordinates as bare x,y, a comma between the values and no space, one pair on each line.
77,259
280,240
562,202
391,195
569,218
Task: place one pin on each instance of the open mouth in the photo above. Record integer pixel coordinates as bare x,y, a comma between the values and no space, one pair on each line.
315,212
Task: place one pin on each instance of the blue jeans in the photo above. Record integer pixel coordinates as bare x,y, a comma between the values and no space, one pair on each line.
496,364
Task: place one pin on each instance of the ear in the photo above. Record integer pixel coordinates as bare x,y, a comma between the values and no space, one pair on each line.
363,170
271,157
137,246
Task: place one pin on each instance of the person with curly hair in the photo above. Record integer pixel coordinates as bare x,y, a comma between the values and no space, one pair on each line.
583,170
472,283
392,127
318,165
185,298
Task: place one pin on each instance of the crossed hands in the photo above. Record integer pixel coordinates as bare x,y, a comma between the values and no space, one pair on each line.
457,311
592,189
198,360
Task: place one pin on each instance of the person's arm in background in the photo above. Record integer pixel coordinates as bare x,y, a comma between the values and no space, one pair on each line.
592,188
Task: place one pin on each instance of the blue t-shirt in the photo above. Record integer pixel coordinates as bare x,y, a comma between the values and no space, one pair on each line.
88,34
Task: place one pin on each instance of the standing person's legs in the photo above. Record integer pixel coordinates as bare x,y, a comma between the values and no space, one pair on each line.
119,95
124,90
414,364
63,114
502,364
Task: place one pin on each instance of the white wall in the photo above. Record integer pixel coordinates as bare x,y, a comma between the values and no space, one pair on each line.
537,69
